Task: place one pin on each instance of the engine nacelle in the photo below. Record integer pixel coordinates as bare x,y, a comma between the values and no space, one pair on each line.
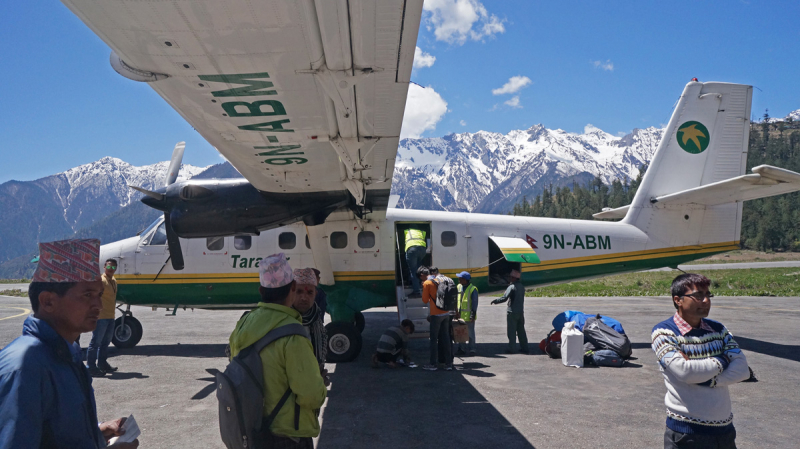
215,208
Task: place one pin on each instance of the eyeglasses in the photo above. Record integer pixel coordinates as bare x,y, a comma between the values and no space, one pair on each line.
111,267
699,296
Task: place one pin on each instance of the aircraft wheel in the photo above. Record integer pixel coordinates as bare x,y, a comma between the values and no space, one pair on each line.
360,322
127,336
344,342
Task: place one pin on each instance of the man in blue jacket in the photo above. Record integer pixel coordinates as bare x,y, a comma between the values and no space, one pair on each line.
46,395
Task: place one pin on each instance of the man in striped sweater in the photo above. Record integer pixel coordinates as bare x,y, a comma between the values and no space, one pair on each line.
699,360
393,344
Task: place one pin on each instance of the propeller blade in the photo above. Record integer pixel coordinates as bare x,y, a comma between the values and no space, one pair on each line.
174,244
175,163
154,195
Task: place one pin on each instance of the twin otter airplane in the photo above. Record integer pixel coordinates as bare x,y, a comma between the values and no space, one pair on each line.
306,98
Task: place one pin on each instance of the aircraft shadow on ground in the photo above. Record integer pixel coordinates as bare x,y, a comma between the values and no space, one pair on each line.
788,352
177,350
410,408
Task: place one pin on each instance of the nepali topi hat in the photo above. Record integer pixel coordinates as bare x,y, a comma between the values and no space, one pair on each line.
274,271
76,260
305,276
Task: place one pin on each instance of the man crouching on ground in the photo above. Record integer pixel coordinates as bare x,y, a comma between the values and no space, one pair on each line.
288,363
699,360
393,344
46,395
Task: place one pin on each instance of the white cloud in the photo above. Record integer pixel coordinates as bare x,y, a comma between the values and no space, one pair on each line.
422,59
462,123
590,128
455,21
513,102
424,109
514,84
607,66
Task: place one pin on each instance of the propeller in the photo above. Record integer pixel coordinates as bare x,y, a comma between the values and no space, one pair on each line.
158,201
173,243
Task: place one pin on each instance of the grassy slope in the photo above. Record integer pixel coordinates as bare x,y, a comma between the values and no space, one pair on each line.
752,282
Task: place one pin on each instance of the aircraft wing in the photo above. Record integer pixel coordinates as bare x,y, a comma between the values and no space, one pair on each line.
300,96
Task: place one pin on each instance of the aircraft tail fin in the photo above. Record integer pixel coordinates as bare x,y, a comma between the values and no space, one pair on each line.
705,143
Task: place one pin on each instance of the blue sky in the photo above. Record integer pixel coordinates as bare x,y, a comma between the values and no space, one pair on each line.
615,65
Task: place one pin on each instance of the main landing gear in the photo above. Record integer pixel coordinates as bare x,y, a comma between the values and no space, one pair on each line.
344,339
127,330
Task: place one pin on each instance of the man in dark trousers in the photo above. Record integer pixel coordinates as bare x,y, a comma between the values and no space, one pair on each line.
515,318
416,249
699,359
46,395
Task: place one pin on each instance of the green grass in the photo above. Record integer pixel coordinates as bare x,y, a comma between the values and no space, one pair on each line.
15,281
15,292
746,282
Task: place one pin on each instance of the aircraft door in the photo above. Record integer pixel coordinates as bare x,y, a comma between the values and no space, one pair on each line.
152,253
450,242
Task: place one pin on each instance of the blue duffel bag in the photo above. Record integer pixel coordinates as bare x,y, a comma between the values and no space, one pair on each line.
607,357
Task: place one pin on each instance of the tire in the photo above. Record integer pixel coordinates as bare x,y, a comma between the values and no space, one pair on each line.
360,322
128,336
344,342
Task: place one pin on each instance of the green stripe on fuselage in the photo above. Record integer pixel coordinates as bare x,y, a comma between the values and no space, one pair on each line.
347,297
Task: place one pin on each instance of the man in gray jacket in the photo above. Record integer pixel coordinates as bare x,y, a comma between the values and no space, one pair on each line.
515,318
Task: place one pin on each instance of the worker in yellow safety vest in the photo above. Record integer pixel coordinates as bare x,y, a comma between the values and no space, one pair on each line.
467,309
416,249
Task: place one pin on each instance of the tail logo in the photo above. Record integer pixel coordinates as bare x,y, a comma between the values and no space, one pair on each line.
693,137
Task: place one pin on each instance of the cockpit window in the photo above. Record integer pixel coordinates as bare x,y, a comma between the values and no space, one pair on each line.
151,226
159,237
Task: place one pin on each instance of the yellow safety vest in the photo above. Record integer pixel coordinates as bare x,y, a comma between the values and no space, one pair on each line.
415,237
465,300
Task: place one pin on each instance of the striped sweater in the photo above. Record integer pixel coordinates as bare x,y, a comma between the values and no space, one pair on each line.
697,397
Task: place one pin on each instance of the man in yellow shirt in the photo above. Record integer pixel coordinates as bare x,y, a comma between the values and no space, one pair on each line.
101,337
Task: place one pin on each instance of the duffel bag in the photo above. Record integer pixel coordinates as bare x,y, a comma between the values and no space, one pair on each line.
602,336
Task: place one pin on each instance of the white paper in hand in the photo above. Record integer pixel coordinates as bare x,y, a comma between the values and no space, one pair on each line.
131,429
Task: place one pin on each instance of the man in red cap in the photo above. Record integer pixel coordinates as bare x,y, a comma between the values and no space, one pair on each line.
46,395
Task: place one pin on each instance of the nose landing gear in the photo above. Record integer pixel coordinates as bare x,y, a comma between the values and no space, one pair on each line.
127,330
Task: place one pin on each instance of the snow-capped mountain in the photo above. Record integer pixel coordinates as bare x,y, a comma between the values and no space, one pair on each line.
489,172
793,116
58,205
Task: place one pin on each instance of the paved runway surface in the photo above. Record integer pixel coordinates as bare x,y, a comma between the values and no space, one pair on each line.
494,399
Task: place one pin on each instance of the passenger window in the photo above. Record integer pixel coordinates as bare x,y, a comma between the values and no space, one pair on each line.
287,240
215,243
366,239
448,238
160,236
338,240
242,242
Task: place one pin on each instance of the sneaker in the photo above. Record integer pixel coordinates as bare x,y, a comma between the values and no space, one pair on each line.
472,353
508,351
524,351
96,372
461,352
429,367
449,368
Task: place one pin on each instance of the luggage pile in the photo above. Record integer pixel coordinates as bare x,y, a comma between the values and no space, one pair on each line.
587,339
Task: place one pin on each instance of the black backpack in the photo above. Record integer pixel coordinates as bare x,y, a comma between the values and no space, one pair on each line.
240,392
603,336
446,293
